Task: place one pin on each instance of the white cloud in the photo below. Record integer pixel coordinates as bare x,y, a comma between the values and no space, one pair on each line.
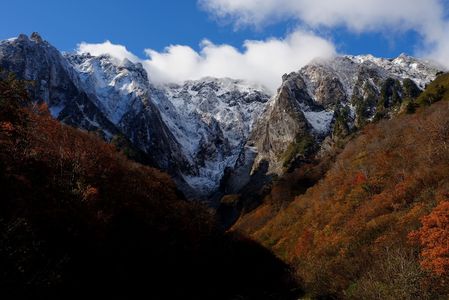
117,51
262,62
266,61
358,15
423,16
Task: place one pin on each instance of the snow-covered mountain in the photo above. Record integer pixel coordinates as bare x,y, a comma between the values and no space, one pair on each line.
208,119
122,92
55,82
212,119
194,131
201,130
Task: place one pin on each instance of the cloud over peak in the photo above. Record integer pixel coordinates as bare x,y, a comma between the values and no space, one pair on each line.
262,62
265,61
117,51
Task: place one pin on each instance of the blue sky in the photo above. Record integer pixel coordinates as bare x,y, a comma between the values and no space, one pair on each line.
140,24
255,40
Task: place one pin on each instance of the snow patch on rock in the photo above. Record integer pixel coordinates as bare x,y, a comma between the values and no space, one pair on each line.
320,120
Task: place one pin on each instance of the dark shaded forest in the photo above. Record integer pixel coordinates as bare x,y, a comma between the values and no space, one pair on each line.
77,218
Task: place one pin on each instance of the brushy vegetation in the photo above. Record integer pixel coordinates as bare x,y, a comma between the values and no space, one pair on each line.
296,149
78,219
376,226
436,91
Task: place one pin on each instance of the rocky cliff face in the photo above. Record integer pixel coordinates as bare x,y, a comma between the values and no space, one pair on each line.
54,81
122,92
195,131
212,133
283,123
212,118
95,94
328,99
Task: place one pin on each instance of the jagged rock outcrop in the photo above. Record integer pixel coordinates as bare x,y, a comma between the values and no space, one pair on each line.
212,118
283,123
328,99
122,91
53,81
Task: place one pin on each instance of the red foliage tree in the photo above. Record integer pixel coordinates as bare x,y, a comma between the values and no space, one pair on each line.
360,178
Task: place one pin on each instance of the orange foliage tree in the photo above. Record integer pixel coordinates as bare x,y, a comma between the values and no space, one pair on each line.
433,237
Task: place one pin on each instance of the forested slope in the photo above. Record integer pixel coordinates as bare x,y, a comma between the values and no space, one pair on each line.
376,226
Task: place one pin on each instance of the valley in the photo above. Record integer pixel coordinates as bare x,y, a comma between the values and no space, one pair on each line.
329,187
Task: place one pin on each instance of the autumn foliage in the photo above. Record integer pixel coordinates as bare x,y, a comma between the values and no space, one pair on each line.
433,237
347,236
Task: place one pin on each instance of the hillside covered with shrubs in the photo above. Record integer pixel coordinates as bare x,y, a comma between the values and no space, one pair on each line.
376,225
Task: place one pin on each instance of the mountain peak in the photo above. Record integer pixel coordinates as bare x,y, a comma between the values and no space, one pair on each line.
22,37
36,37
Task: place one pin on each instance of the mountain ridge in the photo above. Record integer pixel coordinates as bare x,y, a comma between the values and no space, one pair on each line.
319,93
200,130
